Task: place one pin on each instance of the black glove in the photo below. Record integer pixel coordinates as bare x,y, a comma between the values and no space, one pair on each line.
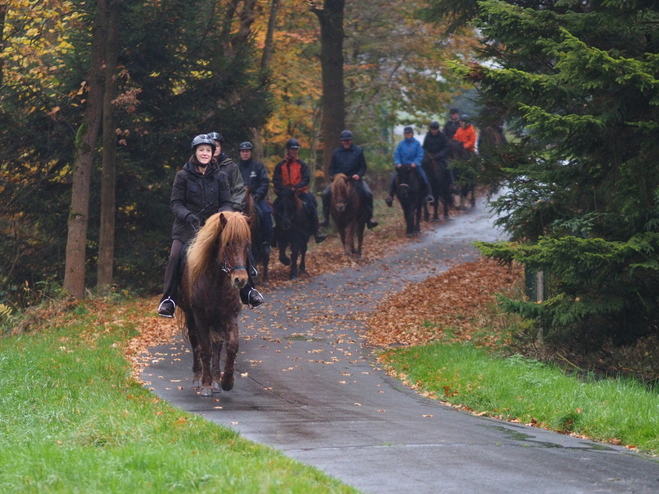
256,198
194,221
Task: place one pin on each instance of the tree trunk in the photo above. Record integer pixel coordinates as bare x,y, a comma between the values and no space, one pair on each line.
3,15
269,45
331,63
74,269
108,176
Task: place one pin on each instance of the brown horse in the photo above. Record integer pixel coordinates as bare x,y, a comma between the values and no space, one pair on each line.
213,274
260,254
348,215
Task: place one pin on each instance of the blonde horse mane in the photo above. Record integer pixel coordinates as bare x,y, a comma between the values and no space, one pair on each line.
202,247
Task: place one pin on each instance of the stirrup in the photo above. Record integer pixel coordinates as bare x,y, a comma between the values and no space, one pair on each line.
164,310
254,298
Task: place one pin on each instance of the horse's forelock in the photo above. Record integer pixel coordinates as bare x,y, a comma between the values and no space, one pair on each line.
215,232
235,229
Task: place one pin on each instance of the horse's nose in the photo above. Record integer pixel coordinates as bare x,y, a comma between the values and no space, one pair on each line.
239,281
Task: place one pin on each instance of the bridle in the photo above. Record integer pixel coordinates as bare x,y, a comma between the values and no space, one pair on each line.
227,267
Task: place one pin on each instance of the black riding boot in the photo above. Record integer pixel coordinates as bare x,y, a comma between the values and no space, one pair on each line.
368,205
327,200
249,295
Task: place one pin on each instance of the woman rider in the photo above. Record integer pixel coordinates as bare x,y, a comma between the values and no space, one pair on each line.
200,190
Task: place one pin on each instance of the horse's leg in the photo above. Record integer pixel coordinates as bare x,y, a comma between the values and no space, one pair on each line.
360,238
266,264
303,256
344,239
232,350
282,253
294,254
417,222
205,355
215,365
351,236
194,344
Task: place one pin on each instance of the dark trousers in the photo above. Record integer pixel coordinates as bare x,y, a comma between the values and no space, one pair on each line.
172,271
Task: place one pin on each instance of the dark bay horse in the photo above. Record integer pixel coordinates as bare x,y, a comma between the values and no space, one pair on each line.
348,215
463,172
259,253
213,274
440,178
410,191
293,228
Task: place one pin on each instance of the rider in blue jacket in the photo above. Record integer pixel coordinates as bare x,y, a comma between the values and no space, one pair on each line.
409,152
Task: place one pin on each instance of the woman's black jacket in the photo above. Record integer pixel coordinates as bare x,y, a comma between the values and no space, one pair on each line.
199,195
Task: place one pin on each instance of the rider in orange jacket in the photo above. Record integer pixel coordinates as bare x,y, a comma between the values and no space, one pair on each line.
466,134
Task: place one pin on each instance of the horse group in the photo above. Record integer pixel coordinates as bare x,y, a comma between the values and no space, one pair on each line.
216,263
445,182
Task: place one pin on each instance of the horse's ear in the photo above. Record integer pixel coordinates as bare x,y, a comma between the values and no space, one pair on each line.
249,218
223,220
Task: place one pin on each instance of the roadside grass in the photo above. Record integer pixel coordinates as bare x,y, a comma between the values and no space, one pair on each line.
72,420
612,410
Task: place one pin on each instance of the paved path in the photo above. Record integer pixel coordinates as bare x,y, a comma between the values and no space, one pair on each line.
309,388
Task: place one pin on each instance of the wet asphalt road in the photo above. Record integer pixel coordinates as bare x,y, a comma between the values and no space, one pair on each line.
309,387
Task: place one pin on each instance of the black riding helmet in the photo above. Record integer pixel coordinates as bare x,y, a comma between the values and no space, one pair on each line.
245,145
345,135
464,118
203,139
216,136
292,144
434,124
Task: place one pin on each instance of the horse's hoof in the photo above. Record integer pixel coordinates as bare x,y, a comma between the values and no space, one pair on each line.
227,383
293,276
196,383
285,260
206,392
216,387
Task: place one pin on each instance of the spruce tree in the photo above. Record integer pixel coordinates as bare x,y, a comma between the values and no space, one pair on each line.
578,82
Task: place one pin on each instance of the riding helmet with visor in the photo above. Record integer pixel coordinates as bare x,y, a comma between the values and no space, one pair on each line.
203,139
434,124
292,144
346,135
216,136
245,146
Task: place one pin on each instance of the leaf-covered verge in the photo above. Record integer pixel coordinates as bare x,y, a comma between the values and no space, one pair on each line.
73,420
462,349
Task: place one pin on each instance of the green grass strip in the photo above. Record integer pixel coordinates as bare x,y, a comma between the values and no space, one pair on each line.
72,420
617,410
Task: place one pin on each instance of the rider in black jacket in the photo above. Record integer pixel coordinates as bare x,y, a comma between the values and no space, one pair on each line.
255,177
349,160
200,190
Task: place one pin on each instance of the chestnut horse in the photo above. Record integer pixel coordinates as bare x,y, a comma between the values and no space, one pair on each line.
213,274
260,255
348,215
